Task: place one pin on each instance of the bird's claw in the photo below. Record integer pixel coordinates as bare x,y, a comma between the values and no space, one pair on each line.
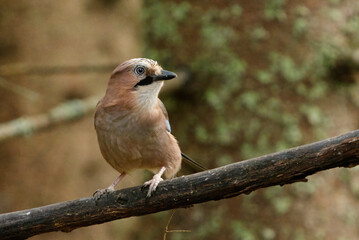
101,192
153,183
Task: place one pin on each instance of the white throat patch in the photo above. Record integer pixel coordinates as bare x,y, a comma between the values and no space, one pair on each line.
147,95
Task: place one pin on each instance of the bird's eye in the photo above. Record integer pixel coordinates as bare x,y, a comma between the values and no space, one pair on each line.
139,70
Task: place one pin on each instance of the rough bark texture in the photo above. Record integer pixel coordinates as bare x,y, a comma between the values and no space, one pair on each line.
280,168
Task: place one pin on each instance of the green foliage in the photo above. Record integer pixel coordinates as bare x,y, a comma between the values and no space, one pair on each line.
334,2
250,99
166,24
268,233
299,235
217,36
282,205
285,67
212,15
274,10
277,198
240,231
201,133
305,190
263,113
212,223
351,29
259,33
313,114
265,77
224,160
214,99
334,14
255,89
301,11
300,27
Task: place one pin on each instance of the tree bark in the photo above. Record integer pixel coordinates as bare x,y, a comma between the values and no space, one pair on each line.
280,168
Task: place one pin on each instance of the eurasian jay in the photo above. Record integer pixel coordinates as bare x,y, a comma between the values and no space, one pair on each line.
132,125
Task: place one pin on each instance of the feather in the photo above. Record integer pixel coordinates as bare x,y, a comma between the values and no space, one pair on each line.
188,165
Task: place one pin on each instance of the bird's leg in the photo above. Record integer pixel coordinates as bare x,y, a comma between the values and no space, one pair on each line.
153,183
111,188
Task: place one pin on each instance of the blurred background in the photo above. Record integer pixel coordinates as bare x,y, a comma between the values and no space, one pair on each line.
262,76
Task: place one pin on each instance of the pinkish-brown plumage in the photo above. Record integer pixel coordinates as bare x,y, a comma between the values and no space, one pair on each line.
131,122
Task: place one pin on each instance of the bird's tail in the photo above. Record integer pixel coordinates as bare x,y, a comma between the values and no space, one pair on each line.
190,166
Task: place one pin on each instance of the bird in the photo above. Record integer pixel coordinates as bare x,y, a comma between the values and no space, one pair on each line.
133,128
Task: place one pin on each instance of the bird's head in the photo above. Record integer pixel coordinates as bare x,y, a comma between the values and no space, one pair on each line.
140,78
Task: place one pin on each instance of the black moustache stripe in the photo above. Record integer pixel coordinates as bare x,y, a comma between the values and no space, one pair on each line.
146,81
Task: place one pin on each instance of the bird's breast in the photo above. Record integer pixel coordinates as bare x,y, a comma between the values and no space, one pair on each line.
131,142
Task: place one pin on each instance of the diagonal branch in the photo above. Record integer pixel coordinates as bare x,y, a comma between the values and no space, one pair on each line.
54,69
280,168
64,112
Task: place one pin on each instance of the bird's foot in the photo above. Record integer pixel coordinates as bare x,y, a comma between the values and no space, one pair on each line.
153,183
101,192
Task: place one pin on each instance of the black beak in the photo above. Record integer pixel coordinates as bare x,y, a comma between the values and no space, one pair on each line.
165,75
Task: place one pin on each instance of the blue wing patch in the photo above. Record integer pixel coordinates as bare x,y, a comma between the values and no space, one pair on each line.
168,125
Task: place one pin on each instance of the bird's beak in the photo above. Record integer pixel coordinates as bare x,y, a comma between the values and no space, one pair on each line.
165,75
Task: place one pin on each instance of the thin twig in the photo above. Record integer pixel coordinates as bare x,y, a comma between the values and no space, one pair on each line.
172,231
20,90
29,69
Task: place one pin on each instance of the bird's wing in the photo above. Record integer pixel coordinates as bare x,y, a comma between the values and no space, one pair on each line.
189,165
164,111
